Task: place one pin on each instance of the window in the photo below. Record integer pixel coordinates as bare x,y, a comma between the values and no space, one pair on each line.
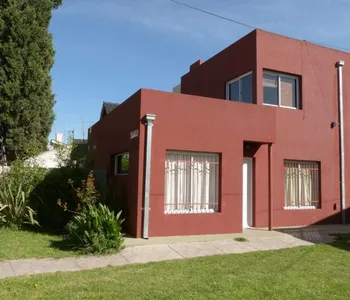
301,185
281,90
191,182
121,163
240,89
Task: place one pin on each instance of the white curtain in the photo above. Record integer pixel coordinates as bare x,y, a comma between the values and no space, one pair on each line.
191,182
301,184
291,185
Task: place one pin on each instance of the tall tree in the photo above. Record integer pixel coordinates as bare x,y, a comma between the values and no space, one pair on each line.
26,58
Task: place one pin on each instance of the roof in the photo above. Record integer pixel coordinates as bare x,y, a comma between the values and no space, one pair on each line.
107,108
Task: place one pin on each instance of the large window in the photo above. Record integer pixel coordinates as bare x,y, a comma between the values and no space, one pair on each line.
301,185
191,182
240,89
121,163
281,90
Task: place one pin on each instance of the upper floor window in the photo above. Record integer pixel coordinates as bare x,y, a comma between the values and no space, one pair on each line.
121,163
281,90
240,89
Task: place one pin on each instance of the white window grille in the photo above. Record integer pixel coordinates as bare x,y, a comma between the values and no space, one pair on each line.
191,183
301,185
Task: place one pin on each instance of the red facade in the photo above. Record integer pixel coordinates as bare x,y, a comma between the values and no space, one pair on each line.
201,120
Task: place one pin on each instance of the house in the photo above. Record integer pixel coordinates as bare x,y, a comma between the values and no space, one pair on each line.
107,108
250,139
59,153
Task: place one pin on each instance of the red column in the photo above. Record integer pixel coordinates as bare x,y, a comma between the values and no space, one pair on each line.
270,185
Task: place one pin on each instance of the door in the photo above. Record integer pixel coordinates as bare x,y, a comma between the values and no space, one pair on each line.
247,202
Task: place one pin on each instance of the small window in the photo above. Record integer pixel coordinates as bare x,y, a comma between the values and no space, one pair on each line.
121,163
281,90
191,183
301,185
240,89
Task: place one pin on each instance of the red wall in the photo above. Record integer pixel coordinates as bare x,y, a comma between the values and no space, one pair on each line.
110,136
193,123
300,134
209,79
304,134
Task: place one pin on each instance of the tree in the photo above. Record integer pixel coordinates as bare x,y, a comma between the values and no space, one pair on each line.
26,58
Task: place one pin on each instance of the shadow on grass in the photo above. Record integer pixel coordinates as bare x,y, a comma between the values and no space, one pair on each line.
65,244
334,234
342,241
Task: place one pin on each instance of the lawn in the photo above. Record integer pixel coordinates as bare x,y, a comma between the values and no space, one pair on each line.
27,244
316,272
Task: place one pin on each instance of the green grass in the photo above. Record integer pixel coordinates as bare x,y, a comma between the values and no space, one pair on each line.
316,272
240,239
27,244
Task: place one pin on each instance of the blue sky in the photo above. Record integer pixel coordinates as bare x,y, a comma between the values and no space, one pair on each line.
108,49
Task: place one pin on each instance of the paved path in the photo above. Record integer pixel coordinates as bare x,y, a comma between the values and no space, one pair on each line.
158,249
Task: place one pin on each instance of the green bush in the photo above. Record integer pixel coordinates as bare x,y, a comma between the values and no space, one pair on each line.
45,195
14,207
20,174
96,229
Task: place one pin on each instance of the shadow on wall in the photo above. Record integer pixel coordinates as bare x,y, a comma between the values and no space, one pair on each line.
319,233
117,201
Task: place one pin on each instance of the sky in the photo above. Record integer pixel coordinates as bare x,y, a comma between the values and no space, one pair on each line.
108,49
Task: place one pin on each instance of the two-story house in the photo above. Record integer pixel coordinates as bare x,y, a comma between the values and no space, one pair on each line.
251,140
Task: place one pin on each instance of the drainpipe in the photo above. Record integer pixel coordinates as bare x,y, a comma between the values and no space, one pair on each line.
148,121
340,65
270,223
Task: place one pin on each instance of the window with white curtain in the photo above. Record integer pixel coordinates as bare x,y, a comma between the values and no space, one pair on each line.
301,185
191,182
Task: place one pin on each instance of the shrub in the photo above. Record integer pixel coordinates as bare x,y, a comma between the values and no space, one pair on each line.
14,207
20,174
96,229
55,186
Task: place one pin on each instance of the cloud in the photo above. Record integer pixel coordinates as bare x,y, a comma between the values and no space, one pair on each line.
157,15
326,21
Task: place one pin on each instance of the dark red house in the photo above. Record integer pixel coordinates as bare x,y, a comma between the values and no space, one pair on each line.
253,139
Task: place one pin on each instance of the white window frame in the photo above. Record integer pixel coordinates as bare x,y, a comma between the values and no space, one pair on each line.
210,211
116,163
297,92
299,207
228,83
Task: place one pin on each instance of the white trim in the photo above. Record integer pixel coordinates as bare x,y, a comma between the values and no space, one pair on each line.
249,186
297,91
227,96
274,105
192,153
299,207
190,212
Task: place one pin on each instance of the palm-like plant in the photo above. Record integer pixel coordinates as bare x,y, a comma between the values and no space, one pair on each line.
14,207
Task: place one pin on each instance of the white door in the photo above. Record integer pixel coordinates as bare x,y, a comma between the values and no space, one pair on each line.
247,192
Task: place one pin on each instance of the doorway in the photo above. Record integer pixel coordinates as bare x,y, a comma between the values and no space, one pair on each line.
247,199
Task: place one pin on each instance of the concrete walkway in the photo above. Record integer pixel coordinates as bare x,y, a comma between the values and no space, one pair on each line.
158,249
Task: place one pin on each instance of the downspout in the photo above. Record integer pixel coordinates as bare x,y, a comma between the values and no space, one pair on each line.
270,204
148,121
340,65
